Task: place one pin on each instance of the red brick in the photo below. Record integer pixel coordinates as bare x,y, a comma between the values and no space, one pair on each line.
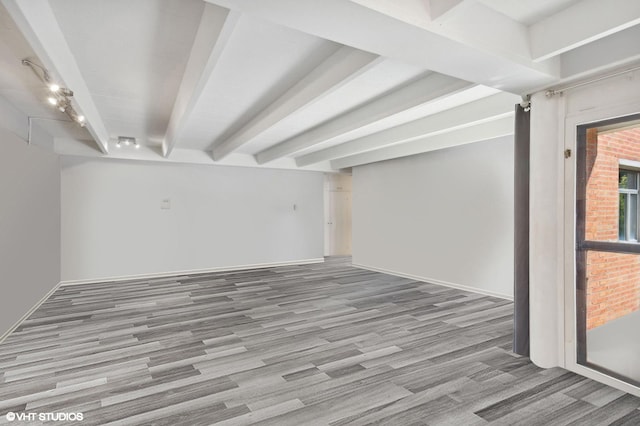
613,280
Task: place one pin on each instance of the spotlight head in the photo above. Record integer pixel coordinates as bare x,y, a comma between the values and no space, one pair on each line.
127,140
80,119
52,100
54,87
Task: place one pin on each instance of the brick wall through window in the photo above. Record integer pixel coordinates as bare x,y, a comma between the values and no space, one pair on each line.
613,279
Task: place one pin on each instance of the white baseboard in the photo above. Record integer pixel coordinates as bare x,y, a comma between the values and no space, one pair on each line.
192,272
29,312
434,281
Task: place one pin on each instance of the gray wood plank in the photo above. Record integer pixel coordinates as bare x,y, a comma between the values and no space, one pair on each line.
309,344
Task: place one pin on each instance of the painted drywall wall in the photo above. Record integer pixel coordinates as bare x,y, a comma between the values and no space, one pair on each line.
29,226
444,216
114,224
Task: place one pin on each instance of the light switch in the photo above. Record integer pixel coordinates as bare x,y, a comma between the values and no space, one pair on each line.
165,204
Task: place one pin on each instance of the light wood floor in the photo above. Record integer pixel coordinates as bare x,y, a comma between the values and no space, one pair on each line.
315,344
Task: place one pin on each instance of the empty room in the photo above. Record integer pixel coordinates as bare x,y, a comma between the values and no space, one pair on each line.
336,212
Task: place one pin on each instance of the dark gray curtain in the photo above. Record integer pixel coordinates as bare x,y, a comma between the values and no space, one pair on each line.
521,227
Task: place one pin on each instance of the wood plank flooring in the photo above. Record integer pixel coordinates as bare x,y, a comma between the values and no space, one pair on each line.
322,344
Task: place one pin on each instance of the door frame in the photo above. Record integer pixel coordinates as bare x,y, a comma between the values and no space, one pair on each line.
329,208
337,210
572,124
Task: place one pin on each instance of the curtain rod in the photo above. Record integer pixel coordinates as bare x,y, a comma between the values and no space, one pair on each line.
554,92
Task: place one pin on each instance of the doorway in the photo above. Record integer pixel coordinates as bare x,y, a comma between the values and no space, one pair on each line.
337,214
608,248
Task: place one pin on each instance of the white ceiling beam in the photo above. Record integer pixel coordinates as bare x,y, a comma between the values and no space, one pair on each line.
480,45
338,69
476,133
68,146
442,10
613,52
490,108
580,24
424,90
467,22
215,29
38,24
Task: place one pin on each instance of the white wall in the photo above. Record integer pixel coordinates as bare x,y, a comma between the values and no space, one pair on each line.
444,216
29,226
545,228
113,224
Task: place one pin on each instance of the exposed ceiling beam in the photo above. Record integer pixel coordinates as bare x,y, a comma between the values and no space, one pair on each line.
483,46
70,146
581,24
442,10
424,90
38,24
490,108
615,51
216,26
477,133
467,22
338,69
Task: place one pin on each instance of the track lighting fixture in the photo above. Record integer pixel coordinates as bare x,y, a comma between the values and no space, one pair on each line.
127,141
59,97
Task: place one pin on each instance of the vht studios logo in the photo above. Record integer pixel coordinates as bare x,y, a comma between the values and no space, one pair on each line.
45,417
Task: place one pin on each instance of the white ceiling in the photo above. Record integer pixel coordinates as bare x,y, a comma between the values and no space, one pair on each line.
21,87
375,81
316,84
528,12
132,55
259,62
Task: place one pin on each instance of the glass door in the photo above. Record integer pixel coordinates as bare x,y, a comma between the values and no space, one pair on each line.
608,248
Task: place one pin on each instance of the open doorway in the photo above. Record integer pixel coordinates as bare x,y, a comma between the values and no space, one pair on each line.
337,214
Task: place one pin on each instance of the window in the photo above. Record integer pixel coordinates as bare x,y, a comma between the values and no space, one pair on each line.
628,212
